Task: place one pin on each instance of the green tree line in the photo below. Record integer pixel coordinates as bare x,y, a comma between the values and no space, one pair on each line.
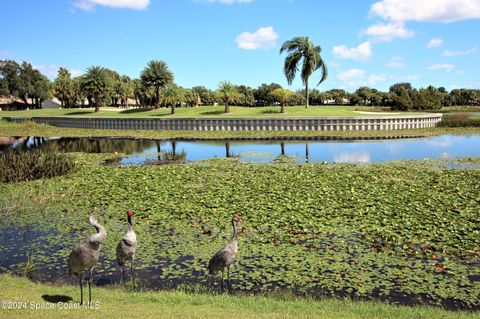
156,88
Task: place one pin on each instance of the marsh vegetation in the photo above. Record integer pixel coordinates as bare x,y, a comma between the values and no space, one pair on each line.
403,231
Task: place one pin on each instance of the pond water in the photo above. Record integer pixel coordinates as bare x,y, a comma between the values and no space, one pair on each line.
139,152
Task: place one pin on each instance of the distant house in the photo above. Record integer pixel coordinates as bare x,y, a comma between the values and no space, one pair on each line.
52,103
130,102
9,102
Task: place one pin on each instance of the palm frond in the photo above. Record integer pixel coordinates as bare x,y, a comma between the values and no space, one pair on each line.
290,67
324,72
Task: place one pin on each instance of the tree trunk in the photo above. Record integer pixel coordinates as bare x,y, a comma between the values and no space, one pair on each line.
157,97
227,108
282,109
173,108
97,107
282,147
307,94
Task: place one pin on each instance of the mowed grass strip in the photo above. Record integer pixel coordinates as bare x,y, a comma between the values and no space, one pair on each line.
204,111
118,303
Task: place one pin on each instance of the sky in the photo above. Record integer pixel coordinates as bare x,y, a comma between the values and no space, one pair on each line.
364,43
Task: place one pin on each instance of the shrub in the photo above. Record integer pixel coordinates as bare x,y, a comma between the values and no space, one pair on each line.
459,120
18,166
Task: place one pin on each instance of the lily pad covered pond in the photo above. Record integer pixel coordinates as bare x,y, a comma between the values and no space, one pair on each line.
406,231
139,152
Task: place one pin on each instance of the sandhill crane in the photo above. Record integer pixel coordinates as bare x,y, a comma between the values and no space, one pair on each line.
85,256
126,248
225,257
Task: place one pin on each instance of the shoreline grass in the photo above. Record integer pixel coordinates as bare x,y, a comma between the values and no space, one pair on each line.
33,129
117,302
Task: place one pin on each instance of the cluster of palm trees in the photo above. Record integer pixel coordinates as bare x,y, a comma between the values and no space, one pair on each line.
102,86
156,87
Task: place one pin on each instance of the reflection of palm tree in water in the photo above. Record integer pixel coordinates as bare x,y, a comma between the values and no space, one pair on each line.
159,150
227,149
307,153
174,155
228,152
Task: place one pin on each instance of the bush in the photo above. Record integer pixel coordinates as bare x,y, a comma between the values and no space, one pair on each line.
18,166
459,120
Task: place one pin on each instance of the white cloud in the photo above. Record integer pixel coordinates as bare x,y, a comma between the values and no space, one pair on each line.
426,10
407,78
361,52
353,157
387,32
76,72
89,5
434,43
84,5
351,74
263,38
441,66
375,78
355,78
457,53
396,62
51,70
333,65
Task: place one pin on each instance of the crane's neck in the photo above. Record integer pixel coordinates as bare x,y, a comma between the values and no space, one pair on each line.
130,226
99,237
235,230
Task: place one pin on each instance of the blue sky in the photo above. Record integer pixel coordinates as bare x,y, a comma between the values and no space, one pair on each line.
374,43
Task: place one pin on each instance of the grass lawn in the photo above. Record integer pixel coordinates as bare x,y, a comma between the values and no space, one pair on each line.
202,111
118,303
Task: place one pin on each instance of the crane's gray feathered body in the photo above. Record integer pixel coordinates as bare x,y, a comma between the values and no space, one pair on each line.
225,257
126,248
85,256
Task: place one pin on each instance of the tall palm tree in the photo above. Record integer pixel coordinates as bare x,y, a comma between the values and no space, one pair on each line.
229,94
171,95
62,86
302,50
94,84
157,75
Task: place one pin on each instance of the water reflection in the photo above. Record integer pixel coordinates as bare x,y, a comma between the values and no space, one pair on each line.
139,152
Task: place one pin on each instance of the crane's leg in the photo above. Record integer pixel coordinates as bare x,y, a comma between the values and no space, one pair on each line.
90,280
80,281
223,275
228,280
123,274
133,274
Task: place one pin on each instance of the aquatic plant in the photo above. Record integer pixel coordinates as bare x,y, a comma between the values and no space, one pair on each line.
16,166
